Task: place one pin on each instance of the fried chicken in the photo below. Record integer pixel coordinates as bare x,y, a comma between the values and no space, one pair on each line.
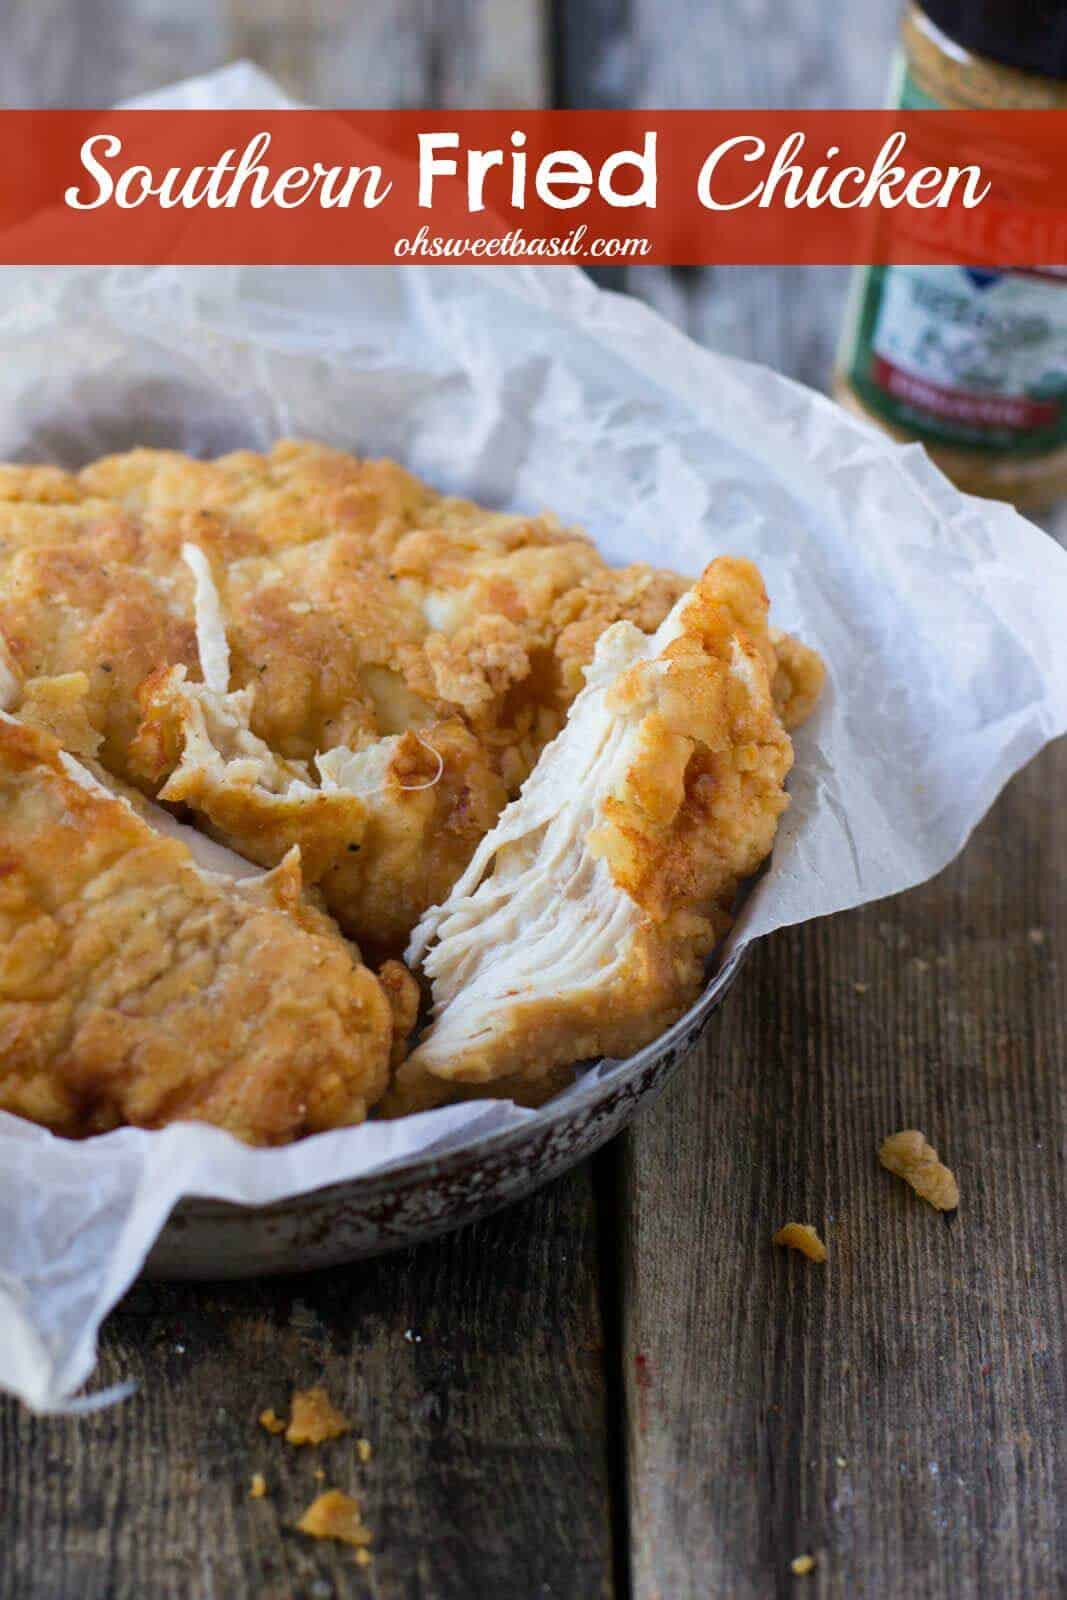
581,927
339,673
362,616
137,988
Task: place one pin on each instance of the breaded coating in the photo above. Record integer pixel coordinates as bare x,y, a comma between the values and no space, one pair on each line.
799,678
908,1155
336,1515
345,676
359,606
137,988
581,927
313,1418
803,1237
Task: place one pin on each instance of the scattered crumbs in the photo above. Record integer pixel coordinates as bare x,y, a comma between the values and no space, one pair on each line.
270,1420
860,988
907,1155
803,1237
412,1337
314,1418
364,1449
336,1515
1036,936
800,1566
363,1556
259,1487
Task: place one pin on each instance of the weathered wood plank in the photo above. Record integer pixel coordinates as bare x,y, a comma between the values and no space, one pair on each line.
763,54
492,1455
330,52
898,1412
474,1366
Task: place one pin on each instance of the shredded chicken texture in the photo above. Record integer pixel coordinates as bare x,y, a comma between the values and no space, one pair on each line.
335,609
344,676
137,988
581,927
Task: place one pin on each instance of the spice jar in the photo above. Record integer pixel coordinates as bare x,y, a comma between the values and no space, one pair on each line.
971,362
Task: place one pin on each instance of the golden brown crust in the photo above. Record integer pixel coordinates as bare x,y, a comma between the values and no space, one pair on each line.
359,604
388,629
135,989
336,1515
59,706
313,1418
670,774
803,1237
799,679
907,1155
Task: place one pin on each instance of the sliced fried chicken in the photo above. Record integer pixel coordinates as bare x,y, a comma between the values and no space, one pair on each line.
581,927
136,987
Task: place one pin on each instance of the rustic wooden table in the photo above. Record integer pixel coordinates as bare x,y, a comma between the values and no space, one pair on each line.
619,1387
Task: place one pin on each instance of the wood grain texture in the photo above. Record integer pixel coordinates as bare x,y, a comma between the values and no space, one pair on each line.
328,52
763,53
473,1365
897,1413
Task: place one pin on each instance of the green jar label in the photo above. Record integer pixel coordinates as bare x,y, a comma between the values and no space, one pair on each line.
961,356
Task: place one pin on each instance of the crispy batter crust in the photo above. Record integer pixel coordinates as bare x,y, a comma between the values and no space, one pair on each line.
620,862
388,666
358,604
136,989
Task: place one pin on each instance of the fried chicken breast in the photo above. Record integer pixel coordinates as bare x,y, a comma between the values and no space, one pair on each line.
136,987
323,664
358,606
581,926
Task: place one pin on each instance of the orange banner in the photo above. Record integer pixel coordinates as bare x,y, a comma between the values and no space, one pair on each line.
587,187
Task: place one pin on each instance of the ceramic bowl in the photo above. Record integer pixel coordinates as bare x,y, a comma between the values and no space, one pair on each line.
419,1198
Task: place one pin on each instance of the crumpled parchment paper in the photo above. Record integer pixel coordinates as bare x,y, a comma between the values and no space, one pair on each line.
942,618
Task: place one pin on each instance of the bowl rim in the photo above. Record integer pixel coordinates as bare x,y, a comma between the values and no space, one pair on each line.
597,1087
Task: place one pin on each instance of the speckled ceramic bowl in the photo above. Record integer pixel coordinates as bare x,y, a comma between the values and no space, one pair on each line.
417,1199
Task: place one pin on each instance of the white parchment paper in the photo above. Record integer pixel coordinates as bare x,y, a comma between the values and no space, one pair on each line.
942,618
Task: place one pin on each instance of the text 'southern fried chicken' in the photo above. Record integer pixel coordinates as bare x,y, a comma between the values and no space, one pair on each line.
320,662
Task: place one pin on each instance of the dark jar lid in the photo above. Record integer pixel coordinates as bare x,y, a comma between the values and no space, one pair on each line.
1028,34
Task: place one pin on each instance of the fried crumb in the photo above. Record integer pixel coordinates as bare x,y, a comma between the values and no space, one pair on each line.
336,1515
803,1237
802,1565
363,1556
319,1475
259,1487
364,1449
314,1418
270,1420
908,1156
